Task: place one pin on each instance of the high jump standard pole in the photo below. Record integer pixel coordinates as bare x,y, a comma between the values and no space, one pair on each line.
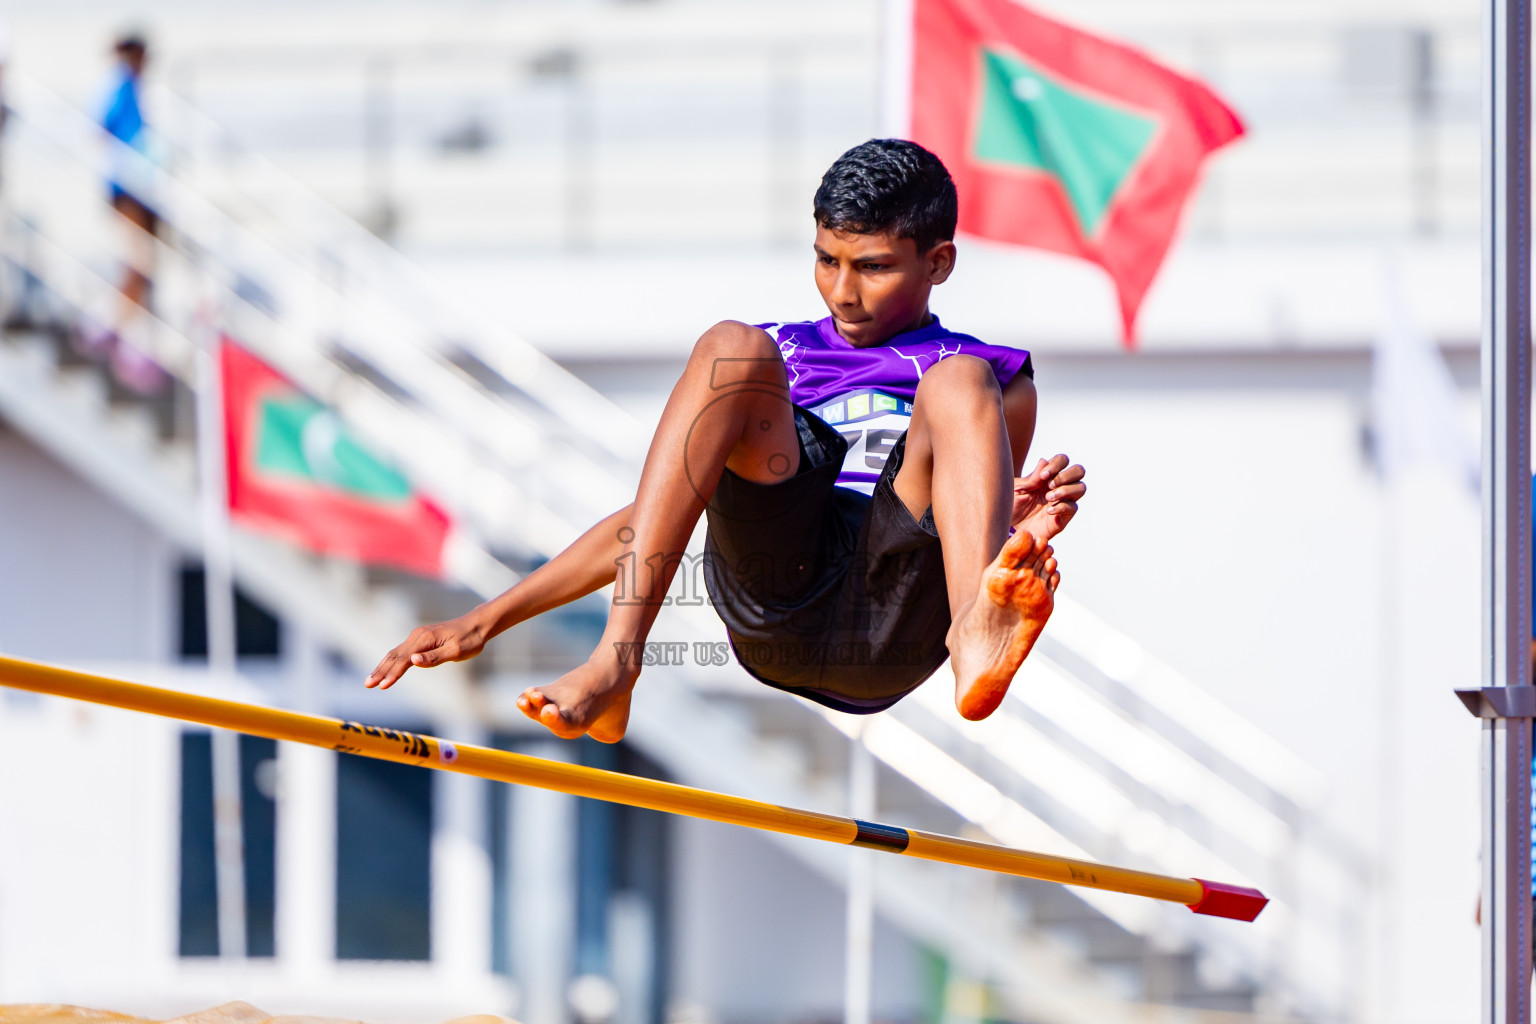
1201,896
1506,702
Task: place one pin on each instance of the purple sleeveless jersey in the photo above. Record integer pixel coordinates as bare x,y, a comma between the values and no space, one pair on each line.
866,393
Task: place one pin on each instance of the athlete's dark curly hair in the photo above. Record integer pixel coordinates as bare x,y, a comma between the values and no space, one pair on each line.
889,185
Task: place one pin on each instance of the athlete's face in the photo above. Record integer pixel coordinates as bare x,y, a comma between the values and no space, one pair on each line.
877,286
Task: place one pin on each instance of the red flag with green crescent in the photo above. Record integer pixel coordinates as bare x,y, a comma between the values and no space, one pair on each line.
295,470
1059,139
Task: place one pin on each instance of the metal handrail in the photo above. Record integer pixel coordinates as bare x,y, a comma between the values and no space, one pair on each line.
494,428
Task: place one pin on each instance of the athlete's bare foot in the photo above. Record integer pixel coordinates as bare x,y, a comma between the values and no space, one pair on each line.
592,700
989,642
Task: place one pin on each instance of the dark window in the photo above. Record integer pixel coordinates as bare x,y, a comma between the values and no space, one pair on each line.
383,860
500,830
622,862
596,828
641,862
258,634
199,901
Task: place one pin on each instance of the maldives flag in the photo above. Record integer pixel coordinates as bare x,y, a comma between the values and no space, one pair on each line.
294,470
1059,139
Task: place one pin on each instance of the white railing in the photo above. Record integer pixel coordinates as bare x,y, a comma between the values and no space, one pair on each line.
1142,765
482,455
712,128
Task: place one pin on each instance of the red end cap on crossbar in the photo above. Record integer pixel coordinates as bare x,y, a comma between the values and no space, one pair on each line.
1235,901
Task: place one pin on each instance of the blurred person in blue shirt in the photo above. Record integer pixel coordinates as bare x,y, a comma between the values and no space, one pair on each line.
131,173
123,119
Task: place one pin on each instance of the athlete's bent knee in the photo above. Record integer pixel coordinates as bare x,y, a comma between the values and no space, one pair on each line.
731,339
734,353
959,374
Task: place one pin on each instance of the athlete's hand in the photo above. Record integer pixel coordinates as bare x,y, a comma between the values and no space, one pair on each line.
455,640
1045,501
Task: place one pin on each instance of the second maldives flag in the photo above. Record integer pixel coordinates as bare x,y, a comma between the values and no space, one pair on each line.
1059,139
294,470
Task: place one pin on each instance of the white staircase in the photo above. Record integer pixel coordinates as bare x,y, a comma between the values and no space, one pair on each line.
1101,752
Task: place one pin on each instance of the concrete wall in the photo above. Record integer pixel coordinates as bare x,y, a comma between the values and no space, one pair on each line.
1235,528
88,853
83,579
758,937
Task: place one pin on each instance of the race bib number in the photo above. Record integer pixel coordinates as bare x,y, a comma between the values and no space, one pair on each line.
872,422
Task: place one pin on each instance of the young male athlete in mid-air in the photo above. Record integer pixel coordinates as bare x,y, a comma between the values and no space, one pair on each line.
859,475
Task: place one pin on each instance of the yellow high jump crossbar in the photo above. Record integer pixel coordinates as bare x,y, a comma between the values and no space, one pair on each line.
1201,896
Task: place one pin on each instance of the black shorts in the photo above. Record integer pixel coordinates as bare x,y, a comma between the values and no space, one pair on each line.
120,198
825,592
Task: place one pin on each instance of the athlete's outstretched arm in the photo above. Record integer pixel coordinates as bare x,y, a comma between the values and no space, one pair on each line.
589,564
